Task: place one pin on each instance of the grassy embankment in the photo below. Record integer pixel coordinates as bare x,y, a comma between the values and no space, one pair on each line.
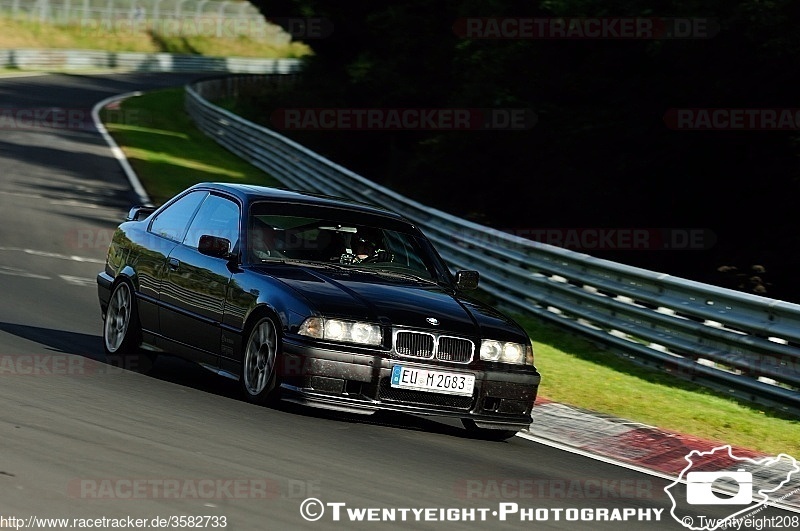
169,154
189,40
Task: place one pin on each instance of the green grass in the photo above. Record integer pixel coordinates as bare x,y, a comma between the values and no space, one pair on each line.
33,34
170,154
578,372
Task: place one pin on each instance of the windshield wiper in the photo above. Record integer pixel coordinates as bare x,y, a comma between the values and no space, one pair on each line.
400,274
352,269
295,262
315,263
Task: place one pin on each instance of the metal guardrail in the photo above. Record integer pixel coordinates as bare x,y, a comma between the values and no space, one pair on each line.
30,59
745,345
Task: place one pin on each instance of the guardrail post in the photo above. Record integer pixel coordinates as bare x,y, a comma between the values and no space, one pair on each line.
156,17
108,16
221,18
85,14
179,9
43,9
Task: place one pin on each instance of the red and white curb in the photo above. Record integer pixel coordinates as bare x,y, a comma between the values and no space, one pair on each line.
637,446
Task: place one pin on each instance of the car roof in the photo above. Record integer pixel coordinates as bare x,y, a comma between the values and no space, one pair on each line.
249,193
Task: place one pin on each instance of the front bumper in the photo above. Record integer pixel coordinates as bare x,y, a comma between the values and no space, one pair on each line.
359,383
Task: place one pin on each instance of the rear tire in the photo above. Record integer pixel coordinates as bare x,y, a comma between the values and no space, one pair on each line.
486,434
259,379
122,333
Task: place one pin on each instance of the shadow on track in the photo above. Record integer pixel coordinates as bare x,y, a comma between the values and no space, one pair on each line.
178,371
63,341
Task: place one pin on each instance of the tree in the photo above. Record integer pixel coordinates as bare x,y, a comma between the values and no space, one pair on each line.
600,153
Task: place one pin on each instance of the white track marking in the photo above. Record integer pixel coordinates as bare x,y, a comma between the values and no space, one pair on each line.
45,254
78,281
22,194
14,272
74,203
11,75
136,184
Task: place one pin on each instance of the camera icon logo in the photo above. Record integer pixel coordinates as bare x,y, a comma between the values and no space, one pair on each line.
699,488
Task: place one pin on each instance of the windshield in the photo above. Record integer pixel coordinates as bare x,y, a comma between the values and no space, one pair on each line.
317,234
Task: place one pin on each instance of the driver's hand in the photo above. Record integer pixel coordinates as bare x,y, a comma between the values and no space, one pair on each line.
348,258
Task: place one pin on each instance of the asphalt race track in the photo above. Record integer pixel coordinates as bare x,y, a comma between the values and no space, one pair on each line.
83,439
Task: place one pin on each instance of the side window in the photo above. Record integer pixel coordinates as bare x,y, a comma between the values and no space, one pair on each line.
172,222
217,217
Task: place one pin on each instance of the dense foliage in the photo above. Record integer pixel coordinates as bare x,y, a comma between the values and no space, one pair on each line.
601,153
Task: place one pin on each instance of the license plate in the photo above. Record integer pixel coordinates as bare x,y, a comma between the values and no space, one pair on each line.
450,383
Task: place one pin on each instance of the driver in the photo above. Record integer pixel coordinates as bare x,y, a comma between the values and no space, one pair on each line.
364,246
262,240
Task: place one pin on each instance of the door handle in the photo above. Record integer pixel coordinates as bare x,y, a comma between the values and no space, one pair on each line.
174,264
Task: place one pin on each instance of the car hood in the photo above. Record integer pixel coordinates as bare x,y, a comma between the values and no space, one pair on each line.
395,301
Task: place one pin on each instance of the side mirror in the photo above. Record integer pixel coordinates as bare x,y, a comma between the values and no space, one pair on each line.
214,246
139,213
467,280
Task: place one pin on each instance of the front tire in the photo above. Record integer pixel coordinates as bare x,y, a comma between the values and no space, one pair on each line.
259,379
486,434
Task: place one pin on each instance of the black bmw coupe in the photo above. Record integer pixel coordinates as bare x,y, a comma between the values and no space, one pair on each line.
314,299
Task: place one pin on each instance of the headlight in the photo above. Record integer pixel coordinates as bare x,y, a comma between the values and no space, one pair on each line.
338,330
506,352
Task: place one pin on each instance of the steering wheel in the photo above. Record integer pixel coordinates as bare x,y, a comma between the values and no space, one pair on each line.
380,255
